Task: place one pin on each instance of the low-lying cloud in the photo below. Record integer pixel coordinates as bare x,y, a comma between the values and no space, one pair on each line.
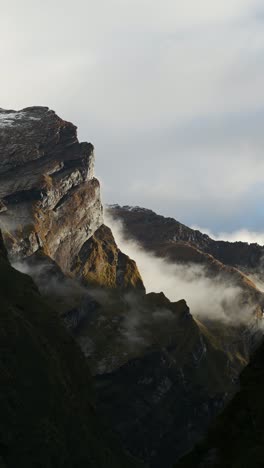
208,298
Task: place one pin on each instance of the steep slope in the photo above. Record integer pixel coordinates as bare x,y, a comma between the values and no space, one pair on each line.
161,378
156,232
236,439
167,239
161,374
168,393
101,262
176,243
48,416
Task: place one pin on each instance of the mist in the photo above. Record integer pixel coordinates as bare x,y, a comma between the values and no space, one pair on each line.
207,298
240,235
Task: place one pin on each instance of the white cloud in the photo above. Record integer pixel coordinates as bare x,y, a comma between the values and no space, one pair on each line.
159,87
242,235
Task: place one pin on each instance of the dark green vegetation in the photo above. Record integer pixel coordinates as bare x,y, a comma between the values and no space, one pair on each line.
48,417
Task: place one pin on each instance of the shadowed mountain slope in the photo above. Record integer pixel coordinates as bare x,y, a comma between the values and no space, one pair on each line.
48,416
161,374
236,438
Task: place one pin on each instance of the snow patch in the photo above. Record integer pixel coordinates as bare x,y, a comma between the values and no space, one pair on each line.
7,119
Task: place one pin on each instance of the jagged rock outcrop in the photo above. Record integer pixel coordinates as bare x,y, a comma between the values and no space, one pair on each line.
47,400
102,263
50,199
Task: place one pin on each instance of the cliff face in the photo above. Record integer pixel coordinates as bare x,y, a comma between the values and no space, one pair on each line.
49,197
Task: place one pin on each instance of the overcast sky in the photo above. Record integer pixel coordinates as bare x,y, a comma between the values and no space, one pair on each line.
170,92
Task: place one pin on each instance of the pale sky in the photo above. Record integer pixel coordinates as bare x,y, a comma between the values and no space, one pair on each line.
170,92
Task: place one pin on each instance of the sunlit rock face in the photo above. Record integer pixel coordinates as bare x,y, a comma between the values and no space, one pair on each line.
50,198
102,263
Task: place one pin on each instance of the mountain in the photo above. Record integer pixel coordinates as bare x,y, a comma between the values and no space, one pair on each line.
160,375
50,199
236,438
166,236
196,254
47,399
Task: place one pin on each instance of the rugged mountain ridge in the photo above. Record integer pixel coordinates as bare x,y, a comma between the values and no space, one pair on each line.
167,239
161,376
154,231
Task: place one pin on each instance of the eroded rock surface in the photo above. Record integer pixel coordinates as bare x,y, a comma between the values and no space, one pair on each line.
49,196
101,262
50,199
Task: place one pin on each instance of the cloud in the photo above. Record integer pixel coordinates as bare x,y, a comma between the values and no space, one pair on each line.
170,93
242,235
207,297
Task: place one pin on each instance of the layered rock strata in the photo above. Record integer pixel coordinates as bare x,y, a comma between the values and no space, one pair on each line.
50,199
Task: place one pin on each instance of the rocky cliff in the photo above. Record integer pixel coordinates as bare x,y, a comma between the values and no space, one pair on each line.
161,375
50,199
45,175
